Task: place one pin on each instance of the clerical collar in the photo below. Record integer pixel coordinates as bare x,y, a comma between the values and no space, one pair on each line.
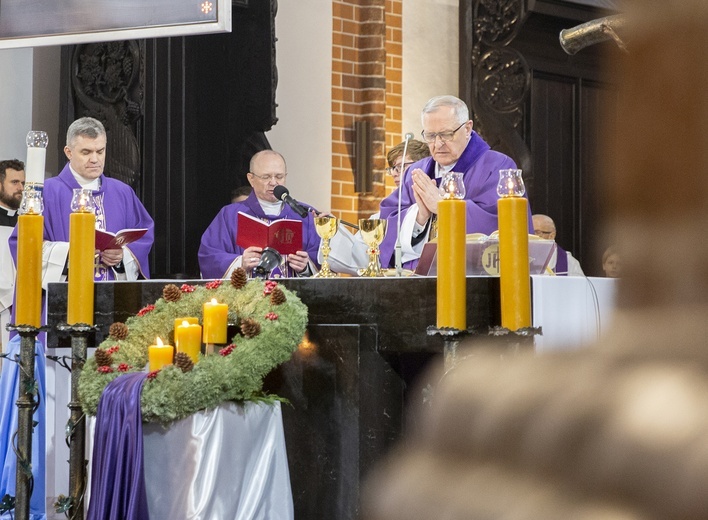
10,212
442,170
270,208
89,184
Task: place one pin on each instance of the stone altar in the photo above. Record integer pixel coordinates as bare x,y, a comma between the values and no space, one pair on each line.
349,381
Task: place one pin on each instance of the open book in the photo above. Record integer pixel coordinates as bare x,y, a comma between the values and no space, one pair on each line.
284,235
107,240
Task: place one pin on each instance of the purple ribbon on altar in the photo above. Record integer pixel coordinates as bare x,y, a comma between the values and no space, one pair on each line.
117,477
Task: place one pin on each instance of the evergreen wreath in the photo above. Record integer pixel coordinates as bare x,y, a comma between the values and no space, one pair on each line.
235,373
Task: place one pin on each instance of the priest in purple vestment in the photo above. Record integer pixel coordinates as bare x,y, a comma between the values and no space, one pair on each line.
562,262
117,208
454,146
218,253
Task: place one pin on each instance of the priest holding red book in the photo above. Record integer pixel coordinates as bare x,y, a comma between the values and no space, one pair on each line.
222,249
116,204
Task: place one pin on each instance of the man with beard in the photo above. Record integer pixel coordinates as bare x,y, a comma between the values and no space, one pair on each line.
12,182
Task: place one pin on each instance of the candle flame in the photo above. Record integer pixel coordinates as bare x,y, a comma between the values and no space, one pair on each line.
158,341
185,323
213,301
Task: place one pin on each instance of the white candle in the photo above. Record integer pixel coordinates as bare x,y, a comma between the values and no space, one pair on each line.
36,157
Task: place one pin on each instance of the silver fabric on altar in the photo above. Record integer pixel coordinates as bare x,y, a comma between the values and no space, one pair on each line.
228,464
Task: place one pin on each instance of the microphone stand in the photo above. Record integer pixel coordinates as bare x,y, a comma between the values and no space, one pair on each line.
399,252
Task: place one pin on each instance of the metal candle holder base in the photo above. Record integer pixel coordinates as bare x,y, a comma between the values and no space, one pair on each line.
76,429
26,405
514,341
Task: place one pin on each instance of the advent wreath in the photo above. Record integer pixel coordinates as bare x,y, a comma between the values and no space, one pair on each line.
271,323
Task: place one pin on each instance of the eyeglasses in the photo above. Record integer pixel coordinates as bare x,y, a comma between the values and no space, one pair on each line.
429,137
540,233
398,168
270,176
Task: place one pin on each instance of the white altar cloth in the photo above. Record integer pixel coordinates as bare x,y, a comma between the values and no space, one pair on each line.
228,464
572,310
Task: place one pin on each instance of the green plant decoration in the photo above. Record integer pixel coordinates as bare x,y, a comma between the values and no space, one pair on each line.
235,373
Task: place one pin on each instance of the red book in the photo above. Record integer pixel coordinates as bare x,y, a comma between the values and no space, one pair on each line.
107,240
284,235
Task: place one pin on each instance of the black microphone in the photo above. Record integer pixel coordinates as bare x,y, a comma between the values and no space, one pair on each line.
270,259
282,193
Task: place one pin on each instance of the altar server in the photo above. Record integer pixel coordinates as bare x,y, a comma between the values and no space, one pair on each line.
12,182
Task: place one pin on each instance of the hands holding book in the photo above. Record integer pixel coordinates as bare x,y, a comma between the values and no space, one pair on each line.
111,257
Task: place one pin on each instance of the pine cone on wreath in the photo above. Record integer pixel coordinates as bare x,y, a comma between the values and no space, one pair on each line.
277,297
118,330
171,293
184,362
239,278
250,328
103,358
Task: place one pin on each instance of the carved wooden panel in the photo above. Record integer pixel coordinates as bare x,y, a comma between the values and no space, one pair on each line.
107,84
541,107
183,116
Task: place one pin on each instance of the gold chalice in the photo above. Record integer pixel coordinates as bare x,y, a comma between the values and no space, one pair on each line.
372,231
326,228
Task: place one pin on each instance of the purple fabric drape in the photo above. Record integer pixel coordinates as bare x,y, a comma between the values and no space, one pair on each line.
117,479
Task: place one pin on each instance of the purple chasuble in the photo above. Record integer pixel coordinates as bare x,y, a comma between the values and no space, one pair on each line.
117,475
118,207
480,167
218,248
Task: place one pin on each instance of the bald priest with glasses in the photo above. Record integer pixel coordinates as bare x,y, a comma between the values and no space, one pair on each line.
219,253
454,146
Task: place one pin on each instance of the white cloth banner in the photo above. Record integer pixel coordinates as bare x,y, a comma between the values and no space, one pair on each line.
572,310
229,463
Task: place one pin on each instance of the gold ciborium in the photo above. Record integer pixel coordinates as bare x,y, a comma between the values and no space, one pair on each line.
372,231
326,228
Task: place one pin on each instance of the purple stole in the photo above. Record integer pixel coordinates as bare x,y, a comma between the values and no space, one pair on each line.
561,261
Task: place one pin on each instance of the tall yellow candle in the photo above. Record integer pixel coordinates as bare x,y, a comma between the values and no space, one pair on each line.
188,339
215,320
82,237
29,270
160,355
452,281
514,262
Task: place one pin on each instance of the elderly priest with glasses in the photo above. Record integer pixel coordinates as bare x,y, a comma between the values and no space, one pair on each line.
454,146
239,234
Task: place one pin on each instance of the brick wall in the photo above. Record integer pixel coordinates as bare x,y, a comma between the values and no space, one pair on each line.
366,85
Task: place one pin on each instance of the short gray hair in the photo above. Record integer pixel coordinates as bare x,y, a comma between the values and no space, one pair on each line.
85,127
462,113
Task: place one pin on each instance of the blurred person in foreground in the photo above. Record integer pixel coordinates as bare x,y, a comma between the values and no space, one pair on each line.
618,430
